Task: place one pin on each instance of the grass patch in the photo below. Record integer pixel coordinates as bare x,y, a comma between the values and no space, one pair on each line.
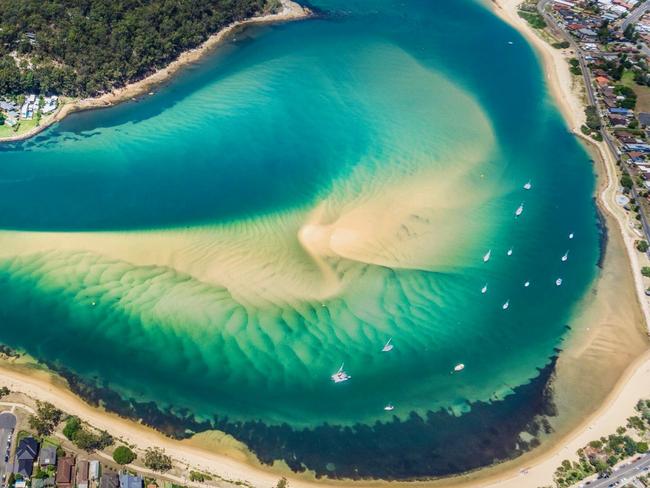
22,127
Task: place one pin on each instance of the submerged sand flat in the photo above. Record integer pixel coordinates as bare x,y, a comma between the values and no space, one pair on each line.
228,243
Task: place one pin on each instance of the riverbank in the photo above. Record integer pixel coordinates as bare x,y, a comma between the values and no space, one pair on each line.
290,11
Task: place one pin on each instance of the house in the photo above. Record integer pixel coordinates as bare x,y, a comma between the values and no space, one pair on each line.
43,483
620,111
64,470
617,120
602,80
130,481
93,470
82,474
47,456
644,119
26,453
109,480
49,104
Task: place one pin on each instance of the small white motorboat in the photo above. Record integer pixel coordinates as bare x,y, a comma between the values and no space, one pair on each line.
528,185
558,282
527,284
389,408
484,289
388,346
459,367
340,376
506,305
486,258
520,210
566,256
509,253
571,235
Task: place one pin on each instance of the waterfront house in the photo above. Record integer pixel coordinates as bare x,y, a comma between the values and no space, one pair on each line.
82,474
93,470
644,119
26,454
47,456
109,480
130,481
64,471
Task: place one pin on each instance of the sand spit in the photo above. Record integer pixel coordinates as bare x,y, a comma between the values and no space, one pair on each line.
290,11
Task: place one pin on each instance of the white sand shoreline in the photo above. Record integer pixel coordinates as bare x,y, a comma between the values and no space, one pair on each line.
290,11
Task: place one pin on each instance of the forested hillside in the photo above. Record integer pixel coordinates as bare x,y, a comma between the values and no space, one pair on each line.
85,47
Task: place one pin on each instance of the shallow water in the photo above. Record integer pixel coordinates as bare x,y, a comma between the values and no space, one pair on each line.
288,205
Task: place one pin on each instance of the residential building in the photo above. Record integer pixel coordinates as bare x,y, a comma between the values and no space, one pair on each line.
109,480
47,456
26,454
64,471
82,474
93,470
130,481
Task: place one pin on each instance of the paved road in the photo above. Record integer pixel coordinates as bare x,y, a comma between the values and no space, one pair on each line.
636,14
623,474
7,427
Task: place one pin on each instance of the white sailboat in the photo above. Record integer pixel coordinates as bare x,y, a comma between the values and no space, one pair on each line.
520,210
459,367
558,282
506,305
388,346
527,284
486,258
509,253
340,376
571,235
566,256
389,408
484,289
528,185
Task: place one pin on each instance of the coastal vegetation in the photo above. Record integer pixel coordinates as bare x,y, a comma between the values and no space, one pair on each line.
533,18
84,438
124,455
599,456
51,45
46,418
157,460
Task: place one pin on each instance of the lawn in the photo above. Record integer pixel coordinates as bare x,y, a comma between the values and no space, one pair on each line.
642,92
23,126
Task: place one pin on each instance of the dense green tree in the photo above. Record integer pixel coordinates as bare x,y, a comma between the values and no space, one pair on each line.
85,47
123,455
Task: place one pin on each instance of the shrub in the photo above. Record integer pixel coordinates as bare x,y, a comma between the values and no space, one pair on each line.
124,455
641,246
72,426
641,447
626,181
156,459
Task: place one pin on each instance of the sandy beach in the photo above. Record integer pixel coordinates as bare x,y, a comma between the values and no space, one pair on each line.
290,11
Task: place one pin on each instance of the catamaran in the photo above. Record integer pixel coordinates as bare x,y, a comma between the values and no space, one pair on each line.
506,305
528,185
486,258
509,253
484,289
519,210
340,376
558,282
566,256
389,408
388,346
459,367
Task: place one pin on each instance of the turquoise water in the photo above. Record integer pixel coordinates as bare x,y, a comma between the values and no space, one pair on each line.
289,204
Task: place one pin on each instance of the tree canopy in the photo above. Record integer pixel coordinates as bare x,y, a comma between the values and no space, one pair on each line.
86,47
